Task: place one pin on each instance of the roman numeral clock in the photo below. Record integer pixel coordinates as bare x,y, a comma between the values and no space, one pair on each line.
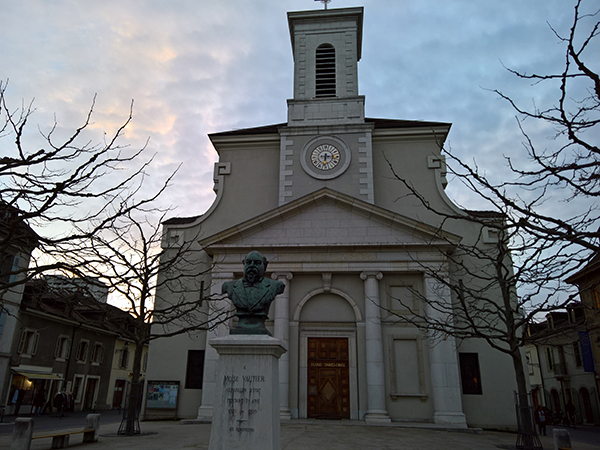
325,157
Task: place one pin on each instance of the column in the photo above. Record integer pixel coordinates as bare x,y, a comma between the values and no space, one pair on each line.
445,380
282,332
218,307
376,412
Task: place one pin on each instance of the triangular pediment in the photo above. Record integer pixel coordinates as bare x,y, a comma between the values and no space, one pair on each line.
328,218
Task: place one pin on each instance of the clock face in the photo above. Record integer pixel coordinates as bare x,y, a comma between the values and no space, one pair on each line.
325,157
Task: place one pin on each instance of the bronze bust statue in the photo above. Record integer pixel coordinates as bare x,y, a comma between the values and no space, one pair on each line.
252,295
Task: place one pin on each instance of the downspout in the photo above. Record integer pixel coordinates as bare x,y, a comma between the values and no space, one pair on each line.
70,356
537,351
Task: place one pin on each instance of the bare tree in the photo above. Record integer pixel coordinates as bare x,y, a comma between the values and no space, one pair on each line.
66,191
159,284
514,269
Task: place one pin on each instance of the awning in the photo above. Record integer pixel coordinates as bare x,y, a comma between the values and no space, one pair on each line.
38,376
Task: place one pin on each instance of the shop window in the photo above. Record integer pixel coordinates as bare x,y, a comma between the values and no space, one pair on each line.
470,374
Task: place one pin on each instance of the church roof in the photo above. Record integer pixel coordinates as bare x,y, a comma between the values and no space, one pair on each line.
378,124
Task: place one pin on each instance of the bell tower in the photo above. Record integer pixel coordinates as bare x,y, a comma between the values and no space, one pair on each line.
327,142
326,46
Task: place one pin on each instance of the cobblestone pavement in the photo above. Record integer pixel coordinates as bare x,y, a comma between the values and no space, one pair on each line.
304,435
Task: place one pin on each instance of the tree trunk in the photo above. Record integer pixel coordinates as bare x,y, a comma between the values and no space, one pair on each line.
527,438
135,394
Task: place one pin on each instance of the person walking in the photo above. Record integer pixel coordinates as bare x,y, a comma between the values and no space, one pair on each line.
39,401
541,419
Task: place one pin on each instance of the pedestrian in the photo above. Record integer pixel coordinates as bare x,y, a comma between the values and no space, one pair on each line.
59,403
13,401
541,419
39,401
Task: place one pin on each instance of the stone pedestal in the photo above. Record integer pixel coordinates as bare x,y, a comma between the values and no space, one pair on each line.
22,432
562,439
246,407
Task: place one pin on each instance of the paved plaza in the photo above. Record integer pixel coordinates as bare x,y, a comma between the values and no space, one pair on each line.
304,435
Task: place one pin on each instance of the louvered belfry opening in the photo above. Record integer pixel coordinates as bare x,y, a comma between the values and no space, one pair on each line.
325,71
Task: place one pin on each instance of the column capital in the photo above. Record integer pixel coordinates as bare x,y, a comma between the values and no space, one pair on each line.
365,275
278,275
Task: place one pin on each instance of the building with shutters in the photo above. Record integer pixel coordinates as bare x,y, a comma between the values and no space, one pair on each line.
17,241
68,340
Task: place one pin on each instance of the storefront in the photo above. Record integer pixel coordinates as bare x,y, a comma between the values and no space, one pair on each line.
26,383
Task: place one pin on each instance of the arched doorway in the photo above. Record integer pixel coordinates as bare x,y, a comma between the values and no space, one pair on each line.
328,361
588,414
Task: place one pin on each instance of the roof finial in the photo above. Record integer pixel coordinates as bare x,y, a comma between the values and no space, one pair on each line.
324,2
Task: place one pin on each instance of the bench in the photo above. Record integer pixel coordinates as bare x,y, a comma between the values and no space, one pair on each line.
23,433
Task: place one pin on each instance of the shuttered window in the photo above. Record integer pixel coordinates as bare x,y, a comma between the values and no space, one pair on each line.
28,343
325,71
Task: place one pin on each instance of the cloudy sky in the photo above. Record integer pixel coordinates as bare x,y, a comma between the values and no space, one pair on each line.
195,67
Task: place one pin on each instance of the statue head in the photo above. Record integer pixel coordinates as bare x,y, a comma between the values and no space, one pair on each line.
255,266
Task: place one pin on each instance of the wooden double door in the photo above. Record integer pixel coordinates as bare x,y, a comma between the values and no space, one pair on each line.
328,378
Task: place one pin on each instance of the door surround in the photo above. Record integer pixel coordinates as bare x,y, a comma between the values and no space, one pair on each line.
318,332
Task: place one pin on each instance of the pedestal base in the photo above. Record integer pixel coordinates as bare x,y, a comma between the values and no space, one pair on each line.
246,410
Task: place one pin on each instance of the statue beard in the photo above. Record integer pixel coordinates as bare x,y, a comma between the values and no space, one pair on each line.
253,276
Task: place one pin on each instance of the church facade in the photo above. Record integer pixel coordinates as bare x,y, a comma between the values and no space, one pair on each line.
318,195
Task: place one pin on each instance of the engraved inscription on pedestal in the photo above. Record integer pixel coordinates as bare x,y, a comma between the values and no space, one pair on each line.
246,413
242,399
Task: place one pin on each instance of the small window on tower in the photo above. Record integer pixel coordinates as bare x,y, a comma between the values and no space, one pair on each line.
325,71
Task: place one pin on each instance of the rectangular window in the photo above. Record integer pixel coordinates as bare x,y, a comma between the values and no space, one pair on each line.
577,354
469,373
195,369
28,343
62,348
529,363
124,358
145,362
550,359
98,354
6,267
3,315
82,350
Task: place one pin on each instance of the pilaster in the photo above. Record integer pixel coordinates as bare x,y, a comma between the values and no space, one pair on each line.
282,332
445,380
